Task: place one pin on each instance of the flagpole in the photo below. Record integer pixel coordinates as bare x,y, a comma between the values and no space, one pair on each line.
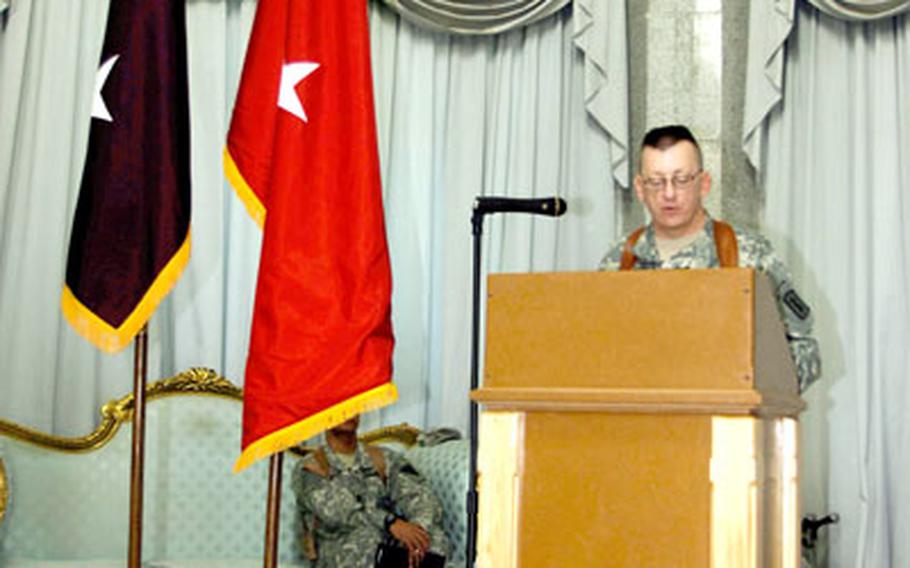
273,508
137,467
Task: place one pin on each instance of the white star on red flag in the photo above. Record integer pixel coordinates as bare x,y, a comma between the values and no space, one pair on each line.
291,75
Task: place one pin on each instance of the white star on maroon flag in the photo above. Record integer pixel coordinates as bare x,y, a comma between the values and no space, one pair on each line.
99,109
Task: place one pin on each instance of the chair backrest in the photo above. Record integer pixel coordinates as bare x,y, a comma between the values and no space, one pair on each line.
69,497
445,467
66,505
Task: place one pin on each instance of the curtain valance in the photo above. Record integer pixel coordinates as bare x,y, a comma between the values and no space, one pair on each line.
600,35
475,17
862,9
770,24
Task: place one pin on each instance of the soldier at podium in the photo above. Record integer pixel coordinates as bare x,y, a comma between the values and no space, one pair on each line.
672,184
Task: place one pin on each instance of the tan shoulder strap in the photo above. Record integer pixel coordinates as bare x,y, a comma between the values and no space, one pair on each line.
319,464
629,259
725,242
308,541
378,459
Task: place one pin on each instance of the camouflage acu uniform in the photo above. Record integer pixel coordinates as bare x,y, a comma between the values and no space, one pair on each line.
347,510
754,252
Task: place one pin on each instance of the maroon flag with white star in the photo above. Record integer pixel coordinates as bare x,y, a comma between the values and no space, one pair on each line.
131,232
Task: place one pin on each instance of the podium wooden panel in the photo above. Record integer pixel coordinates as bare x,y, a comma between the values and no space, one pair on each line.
641,418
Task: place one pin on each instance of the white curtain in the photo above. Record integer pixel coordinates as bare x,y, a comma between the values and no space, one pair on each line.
457,116
51,378
833,153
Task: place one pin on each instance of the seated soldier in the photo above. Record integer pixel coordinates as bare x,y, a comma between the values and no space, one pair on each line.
353,498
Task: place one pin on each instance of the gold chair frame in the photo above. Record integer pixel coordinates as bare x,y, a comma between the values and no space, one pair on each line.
118,411
195,381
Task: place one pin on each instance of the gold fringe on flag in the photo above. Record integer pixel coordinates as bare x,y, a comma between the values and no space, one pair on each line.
112,339
254,206
292,435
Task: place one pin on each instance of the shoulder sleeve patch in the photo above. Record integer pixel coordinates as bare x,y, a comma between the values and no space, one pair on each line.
406,467
796,304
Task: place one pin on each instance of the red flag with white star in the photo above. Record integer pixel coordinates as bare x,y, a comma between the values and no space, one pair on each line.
301,154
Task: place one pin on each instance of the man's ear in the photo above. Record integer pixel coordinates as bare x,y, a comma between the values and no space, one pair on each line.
704,184
639,188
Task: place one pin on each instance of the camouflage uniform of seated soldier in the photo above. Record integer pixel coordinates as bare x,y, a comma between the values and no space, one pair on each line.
351,497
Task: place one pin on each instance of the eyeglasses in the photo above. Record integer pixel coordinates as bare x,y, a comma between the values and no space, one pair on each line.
681,182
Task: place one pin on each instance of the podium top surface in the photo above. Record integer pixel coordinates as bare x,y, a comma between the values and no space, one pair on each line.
714,330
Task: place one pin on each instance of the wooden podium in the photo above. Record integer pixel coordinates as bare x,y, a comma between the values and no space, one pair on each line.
642,418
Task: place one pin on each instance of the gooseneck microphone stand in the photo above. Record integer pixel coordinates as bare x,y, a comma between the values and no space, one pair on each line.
552,207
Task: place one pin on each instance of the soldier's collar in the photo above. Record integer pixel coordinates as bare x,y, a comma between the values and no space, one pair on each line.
338,464
646,248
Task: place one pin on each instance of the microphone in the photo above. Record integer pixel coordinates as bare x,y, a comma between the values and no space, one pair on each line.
550,206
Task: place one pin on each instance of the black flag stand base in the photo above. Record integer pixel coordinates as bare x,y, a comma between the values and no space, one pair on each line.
137,466
272,510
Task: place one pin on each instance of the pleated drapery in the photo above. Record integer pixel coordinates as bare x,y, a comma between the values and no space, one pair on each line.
457,117
475,17
831,146
862,10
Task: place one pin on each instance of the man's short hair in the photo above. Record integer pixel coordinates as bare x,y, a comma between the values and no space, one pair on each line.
663,137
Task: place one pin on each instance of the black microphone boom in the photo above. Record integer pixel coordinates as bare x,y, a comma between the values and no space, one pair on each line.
552,206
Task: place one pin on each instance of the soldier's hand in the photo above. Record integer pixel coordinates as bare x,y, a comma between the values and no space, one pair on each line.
414,537
415,557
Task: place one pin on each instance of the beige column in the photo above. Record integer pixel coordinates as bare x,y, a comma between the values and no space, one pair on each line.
687,66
